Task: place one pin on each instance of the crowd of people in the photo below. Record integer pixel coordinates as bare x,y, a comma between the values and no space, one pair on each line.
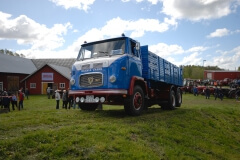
14,99
218,92
67,101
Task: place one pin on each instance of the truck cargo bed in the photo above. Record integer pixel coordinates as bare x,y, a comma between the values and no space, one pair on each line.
158,69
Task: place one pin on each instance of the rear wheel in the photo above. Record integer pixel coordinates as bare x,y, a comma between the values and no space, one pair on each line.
178,98
171,104
134,105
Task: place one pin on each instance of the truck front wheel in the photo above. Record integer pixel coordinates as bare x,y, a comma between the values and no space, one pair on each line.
134,105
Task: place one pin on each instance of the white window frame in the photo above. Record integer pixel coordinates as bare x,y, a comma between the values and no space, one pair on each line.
32,85
61,85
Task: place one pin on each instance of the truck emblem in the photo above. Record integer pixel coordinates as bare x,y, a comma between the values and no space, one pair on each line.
90,80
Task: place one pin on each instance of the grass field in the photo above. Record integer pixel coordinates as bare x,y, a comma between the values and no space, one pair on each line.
199,129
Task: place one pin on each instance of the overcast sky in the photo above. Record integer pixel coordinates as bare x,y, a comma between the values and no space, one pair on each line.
185,32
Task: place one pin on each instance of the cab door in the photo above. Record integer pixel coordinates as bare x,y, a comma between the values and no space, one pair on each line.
135,63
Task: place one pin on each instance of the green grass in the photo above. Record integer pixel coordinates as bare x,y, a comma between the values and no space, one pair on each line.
199,129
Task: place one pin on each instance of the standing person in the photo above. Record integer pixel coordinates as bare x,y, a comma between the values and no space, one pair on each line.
20,98
195,91
6,100
70,101
207,93
216,91
220,93
57,97
64,99
48,92
26,92
14,101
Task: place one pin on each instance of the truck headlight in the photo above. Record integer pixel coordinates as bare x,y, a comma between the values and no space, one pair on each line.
82,99
97,99
102,99
112,79
72,81
77,99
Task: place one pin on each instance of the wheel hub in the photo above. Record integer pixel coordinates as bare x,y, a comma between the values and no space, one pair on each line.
137,101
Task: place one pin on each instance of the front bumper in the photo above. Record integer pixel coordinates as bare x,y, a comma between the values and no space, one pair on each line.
98,92
111,96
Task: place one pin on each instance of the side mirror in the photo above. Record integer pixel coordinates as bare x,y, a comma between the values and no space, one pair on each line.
137,46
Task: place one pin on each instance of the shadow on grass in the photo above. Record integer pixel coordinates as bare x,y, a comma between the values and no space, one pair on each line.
120,113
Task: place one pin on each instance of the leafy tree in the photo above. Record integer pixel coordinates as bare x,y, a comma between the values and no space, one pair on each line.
2,51
196,72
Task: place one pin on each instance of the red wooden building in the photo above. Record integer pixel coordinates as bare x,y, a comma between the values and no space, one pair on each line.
50,75
220,74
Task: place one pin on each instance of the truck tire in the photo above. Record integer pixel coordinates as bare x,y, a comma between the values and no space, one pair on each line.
134,105
171,104
88,107
178,98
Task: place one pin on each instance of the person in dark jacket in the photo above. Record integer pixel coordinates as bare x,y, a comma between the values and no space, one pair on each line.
220,93
216,92
64,99
26,92
6,100
207,92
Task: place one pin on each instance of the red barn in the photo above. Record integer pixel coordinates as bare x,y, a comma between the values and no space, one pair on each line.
50,75
220,74
34,74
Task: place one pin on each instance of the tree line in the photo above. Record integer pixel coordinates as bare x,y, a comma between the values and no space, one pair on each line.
196,72
5,51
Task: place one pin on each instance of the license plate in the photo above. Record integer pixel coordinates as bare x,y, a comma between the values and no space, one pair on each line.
89,98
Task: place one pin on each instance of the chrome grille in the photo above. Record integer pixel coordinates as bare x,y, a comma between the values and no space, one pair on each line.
91,80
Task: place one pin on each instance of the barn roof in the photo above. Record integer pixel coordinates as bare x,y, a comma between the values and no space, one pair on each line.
14,64
59,62
66,72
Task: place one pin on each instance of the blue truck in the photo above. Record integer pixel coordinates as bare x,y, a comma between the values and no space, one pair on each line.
118,71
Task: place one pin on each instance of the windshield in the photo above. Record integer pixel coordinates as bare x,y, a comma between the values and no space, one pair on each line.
102,49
